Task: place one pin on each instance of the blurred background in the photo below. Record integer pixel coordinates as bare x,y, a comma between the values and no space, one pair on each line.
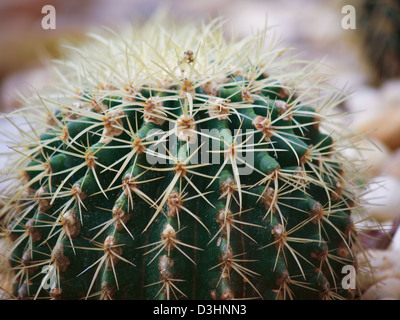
365,61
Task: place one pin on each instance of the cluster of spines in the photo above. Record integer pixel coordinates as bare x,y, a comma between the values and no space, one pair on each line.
182,229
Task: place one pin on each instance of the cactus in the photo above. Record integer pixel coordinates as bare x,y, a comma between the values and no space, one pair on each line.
180,165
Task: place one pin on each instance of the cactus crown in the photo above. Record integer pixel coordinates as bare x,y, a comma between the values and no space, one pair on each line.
173,163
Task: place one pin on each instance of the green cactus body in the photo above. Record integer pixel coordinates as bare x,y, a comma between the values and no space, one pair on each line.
179,174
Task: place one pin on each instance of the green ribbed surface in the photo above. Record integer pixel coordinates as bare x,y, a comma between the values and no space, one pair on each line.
116,225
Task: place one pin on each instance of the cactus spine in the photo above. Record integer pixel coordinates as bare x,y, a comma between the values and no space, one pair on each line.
177,164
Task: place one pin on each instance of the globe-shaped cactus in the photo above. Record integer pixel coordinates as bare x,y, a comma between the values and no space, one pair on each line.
173,163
